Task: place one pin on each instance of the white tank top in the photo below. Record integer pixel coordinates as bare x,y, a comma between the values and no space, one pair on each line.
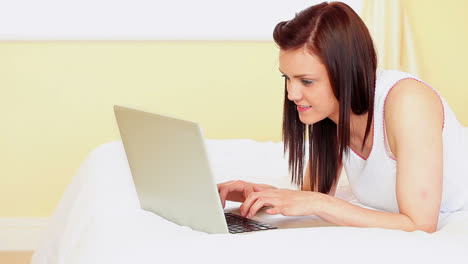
373,180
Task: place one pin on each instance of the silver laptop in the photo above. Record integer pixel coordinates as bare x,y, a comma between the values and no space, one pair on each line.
173,177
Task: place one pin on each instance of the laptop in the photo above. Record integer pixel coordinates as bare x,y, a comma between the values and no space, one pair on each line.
173,178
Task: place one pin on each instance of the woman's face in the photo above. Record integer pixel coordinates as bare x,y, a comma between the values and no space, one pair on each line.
308,86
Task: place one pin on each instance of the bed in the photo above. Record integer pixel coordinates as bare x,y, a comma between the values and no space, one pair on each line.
99,220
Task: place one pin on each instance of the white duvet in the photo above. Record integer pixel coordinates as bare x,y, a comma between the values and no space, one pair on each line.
99,220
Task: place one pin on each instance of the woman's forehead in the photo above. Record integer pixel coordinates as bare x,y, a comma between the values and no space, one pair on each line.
299,59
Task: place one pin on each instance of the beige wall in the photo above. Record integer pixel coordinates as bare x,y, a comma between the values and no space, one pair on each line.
440,29
57,100
57,97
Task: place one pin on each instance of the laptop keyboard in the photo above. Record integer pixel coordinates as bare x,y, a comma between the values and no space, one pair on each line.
238,224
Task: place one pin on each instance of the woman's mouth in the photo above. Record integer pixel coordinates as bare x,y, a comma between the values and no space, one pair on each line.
303,108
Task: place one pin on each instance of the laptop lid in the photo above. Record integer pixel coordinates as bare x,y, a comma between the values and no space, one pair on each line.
171,169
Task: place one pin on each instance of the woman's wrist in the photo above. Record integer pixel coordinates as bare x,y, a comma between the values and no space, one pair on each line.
318,202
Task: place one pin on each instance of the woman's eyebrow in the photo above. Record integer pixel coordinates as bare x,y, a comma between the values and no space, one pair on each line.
295,76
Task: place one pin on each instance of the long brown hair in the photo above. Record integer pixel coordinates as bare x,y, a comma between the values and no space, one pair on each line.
339,38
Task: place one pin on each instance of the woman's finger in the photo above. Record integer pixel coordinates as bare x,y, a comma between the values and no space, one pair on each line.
273,211
247,191
232,190
257,188
222,195
259,203
249,200
224,189
222,184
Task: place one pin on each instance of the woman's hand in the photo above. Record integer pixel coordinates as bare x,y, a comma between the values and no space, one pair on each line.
239,190
282,201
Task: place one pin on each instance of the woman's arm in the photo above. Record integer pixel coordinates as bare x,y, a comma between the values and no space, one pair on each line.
343,213
414,119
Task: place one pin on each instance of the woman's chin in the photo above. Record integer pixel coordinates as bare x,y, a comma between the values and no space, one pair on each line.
308,120
305,120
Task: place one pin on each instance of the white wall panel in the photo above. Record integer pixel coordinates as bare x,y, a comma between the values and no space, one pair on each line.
146,19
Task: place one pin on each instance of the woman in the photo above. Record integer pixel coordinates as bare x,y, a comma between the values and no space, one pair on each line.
401,146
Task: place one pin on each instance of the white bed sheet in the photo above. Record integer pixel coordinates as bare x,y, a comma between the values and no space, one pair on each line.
99,220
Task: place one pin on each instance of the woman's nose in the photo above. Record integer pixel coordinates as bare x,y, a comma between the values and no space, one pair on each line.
294,93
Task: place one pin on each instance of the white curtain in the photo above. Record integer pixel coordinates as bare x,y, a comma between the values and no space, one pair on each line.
388,24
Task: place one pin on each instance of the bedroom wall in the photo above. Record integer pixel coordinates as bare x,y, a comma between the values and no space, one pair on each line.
57,102
441,37
57,96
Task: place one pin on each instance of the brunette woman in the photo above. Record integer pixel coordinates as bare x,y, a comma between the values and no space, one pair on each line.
402,148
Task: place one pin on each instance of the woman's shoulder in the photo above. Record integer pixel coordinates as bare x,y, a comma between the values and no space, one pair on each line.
389,78
400,95
402,87
411,103
411,91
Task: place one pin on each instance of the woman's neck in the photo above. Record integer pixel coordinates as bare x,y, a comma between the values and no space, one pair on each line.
357,129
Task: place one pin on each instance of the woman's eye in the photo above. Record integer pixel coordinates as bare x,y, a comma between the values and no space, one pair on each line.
307,82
